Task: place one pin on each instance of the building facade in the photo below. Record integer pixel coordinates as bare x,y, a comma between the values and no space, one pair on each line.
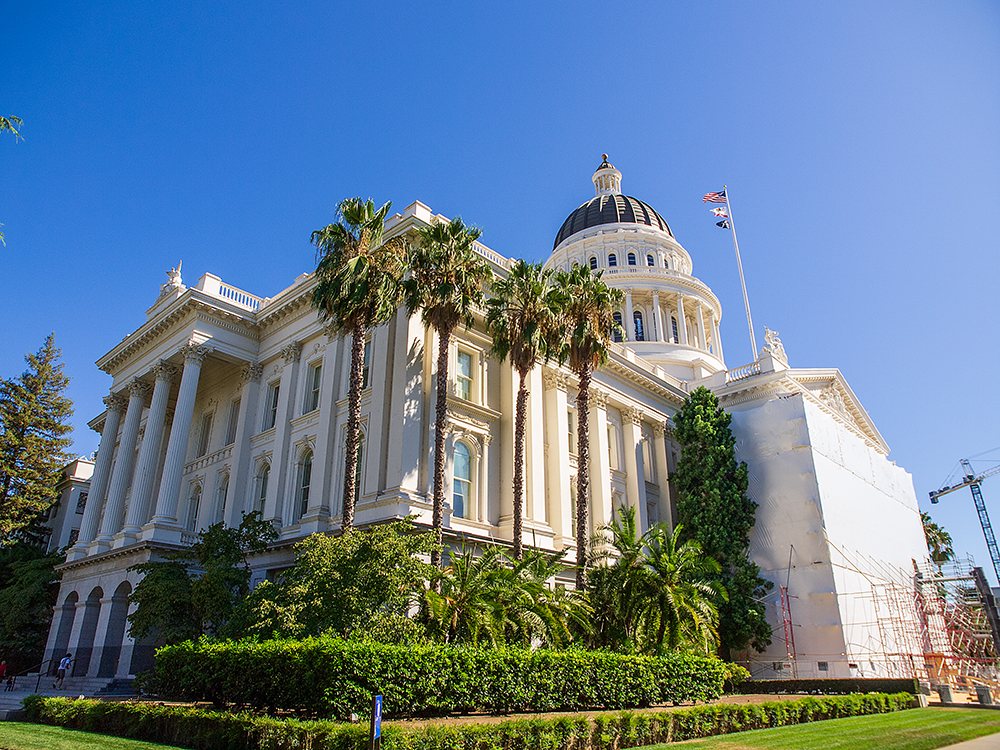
224,402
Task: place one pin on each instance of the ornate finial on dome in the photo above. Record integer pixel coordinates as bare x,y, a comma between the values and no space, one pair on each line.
607,179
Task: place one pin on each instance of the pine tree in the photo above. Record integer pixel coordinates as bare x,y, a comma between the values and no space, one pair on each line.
715,510
33,442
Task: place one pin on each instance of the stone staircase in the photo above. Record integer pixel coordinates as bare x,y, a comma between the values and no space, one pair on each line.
73,687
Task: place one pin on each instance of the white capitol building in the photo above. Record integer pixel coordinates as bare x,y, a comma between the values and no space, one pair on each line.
224,402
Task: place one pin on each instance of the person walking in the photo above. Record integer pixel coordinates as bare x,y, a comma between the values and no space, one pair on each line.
64,666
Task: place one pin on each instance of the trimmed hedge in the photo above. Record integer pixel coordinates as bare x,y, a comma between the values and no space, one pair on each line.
844,686
209,730
331,677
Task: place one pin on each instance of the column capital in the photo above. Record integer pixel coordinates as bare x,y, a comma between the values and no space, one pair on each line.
598,398
632,414
194,353
115,402
163,370
292,352
554,379
251,372
660,429
137,387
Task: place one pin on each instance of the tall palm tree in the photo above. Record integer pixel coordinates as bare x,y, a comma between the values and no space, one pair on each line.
588,326
522,315
446,283
359,273
938,540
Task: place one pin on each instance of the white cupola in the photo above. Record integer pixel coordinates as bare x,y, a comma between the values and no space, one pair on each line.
607,179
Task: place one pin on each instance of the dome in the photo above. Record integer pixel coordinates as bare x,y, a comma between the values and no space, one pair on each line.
613,208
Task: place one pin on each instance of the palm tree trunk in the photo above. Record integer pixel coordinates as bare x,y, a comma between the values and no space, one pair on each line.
582,474
444,338
520,418
353,425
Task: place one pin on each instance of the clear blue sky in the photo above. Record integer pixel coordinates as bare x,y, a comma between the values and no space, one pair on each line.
860,142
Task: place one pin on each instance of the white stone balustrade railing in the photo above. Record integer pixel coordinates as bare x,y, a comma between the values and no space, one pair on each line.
188,538
216,287
741,373
490,255
208,459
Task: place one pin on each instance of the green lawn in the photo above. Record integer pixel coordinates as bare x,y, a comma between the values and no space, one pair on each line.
916,729
16,736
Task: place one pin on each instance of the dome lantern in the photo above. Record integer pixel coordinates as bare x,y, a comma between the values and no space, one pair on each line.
607,179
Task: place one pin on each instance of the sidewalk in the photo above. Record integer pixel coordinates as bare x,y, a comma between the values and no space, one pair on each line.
989,742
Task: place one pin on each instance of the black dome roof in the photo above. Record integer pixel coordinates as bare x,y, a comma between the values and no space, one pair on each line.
610,209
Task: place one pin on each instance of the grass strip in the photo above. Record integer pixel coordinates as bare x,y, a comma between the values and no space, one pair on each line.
17,736
913,729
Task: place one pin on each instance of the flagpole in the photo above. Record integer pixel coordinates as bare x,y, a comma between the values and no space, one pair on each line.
739,263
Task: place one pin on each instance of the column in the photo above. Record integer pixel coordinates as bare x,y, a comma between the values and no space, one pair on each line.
239,477
702,340
658,319
629,323
716,338
149,454
99,480
164,524
635,469
557,473
534,451
122,474
662,474
274,509
681,321
403,455
317,515
482,502
508,404
600,464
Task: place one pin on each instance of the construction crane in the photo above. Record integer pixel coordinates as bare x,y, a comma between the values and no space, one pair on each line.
972,481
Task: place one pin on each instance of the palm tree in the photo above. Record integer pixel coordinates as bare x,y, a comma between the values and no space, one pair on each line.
446,283
677,594
12,124
359,274
467,602
588,326
522,316
938,540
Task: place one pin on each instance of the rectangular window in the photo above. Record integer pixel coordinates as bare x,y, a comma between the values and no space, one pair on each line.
74,536
823,666
366,364
312,394
571,431
463,376
206,434
81,503
271,406
234,420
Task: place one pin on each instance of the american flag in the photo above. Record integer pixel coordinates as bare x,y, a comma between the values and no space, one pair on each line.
719,197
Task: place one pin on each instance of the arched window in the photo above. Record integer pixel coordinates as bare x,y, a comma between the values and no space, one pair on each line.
593,263
193,507
666,263
673,325
640,334
612,260
220,499
462,494
262,479
631,259
617,334
305,479
650,261
361,464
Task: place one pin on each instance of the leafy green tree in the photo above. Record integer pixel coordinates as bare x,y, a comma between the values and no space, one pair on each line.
588,324
11,124
523,316
446,283
938,540
29,585
199,589
358,275
33,442
715,510
342,584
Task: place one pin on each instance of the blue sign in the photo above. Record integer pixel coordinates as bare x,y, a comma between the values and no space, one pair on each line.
377,718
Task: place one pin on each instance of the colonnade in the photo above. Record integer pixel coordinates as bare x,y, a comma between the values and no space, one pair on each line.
703,334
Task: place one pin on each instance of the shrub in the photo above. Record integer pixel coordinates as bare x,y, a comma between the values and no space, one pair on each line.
212,730
330,677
